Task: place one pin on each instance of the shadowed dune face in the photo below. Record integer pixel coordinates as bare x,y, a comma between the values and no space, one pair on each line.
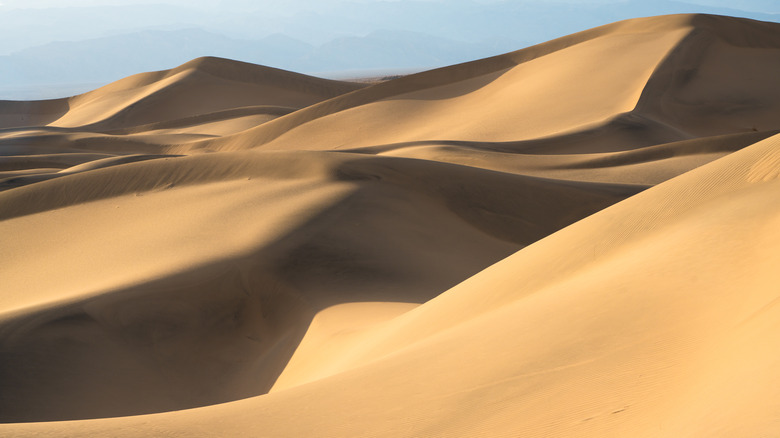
459,252
719,80
246,298
151,348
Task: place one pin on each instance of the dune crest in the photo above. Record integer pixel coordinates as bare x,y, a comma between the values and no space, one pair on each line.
575,239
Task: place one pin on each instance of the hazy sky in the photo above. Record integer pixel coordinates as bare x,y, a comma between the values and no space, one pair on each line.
297,4
270,5
288,6
283,6
94,41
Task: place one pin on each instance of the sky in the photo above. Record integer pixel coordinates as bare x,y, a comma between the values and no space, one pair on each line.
769,6
49,46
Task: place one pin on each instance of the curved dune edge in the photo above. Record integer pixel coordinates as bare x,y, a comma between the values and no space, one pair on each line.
648,60
204,85
635,317
575,239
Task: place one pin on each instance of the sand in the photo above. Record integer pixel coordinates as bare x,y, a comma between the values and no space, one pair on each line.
575,239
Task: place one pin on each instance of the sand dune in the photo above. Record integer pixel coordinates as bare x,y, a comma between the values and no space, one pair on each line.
199,87
624,78
148,112
574,239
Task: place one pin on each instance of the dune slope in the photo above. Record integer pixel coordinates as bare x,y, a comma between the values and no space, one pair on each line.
622,86
574,239
650,318
144,114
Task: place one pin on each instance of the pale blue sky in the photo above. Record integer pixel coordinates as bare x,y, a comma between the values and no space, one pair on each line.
64,42
768,6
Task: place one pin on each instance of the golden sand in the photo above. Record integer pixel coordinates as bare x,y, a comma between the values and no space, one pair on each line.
577,239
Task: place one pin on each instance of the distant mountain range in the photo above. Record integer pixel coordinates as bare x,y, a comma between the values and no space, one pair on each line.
44,50
102,59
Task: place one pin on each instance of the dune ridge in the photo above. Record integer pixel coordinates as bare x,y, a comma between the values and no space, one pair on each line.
573,239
